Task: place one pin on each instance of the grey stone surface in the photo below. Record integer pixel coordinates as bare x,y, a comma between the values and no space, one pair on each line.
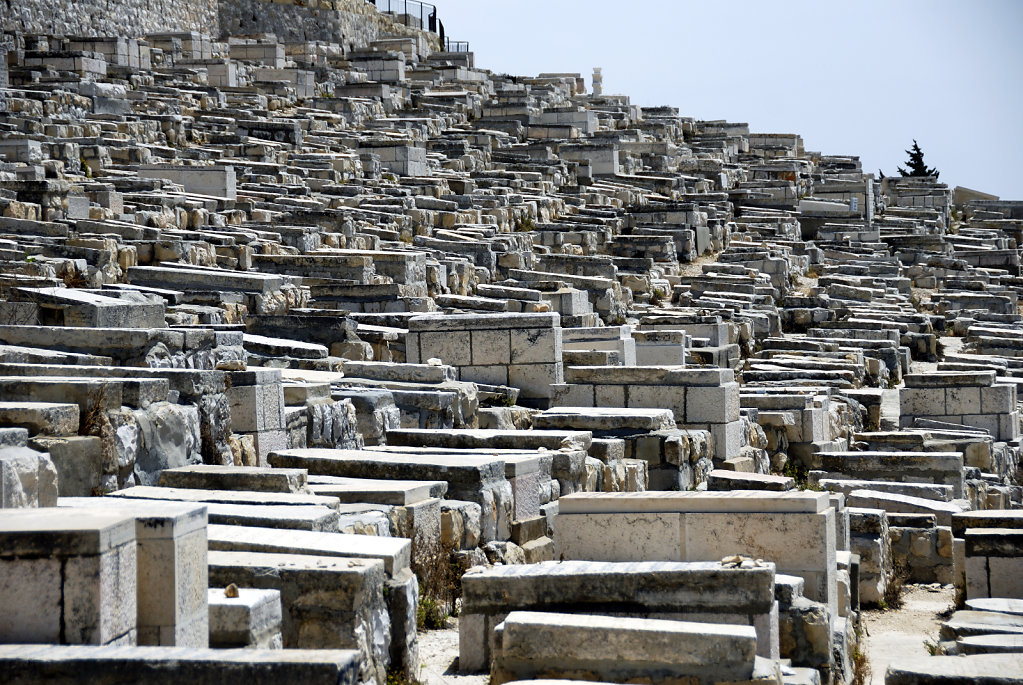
162,665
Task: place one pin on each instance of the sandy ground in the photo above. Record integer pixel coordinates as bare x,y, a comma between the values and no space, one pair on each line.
950,345
438,654
695,268
891,635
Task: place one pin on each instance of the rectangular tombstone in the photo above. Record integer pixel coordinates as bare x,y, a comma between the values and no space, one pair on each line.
216,181
67,577
241,497
216,477
523,348
48,664
610,648
994,563
316,518
394,552
328,602
692,591
940,468
477,477
704,399
609,338
252,619
969,398
171,561
795,530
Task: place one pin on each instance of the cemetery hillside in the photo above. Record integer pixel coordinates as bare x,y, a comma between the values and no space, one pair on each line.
328,355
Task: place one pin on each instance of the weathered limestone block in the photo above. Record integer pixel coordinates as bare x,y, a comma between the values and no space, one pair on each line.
256,399
253,478
706,399
904,504
166,665
171,561
870,539
694,591
79,461
375,411
317,518
969,398
216,181
962,522
143,347
41,417
606,338
251,619
520,350
27,478
940,468
460,524
166,436
328,602
993,668
72,307
805,633
924,549
229,497
402,595
333,424
705,526
394,552
994,563
536,645
68,577
476,477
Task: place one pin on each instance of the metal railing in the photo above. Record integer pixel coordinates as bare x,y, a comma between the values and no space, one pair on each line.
422,15
456,45
410,11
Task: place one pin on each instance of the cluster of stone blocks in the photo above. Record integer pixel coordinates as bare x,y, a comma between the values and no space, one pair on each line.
520,350
307,336
968,398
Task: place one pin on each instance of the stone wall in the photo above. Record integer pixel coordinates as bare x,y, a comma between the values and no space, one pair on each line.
352,23
128,18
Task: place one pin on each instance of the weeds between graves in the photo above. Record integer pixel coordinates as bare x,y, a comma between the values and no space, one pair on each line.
896,586
860,664
440,586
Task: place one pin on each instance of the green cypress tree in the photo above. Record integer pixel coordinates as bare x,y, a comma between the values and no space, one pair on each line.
916,164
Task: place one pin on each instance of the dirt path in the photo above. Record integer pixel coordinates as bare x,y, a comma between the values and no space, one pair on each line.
438,653
895,634
949,344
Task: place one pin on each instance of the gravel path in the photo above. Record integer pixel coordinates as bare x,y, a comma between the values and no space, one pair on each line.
896,634
438,653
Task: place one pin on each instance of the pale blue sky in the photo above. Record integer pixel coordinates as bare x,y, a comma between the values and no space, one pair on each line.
861,78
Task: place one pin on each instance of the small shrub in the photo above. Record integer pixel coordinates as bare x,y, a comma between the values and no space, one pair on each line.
439,571
659,296
430,615
896,586
525,224
75,279
861,667
396,677
93,419
959,599
797,472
